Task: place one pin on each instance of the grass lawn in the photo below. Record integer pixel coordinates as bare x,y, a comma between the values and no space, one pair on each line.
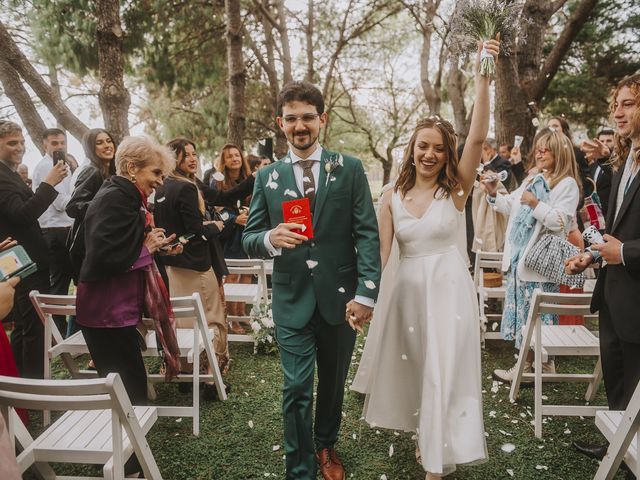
241,439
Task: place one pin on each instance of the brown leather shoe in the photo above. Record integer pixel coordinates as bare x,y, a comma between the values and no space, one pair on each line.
330,464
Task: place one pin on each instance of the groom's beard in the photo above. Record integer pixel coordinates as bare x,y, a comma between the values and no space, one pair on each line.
303,140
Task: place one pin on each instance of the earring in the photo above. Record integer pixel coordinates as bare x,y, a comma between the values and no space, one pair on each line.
133,177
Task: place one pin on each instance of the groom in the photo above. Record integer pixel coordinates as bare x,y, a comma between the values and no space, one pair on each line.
322,285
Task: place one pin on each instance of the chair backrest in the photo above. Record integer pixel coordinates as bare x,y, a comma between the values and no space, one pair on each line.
560,303
250,266
85,394
48,305
485,260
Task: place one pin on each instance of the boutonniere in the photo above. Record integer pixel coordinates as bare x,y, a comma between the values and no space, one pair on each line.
334,161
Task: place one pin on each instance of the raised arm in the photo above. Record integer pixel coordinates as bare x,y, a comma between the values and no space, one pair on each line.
471,155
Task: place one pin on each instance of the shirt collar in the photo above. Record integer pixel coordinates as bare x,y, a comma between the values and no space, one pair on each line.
316,155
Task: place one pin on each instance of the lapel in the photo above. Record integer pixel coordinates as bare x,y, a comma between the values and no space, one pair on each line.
613,197
322,189
287,178
628,197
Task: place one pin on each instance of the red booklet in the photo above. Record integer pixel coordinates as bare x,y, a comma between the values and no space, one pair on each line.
299,211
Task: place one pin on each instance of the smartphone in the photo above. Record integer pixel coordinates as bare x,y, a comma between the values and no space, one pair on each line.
15,262
181,240
59,155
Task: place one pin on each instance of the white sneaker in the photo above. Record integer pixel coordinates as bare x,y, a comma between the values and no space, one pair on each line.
507,376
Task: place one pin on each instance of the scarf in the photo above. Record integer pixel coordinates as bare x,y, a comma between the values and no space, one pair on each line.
157,305
524,222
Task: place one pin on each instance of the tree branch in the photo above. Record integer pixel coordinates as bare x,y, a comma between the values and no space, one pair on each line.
13,56
572,28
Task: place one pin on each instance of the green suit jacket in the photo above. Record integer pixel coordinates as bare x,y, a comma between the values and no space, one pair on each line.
345,246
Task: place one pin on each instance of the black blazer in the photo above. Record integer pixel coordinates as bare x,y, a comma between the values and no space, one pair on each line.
603,183
87,185
20,209
114,230
176,210
618,285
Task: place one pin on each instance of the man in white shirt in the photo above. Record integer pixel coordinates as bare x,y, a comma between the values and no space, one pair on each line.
319,283
55,223
615,295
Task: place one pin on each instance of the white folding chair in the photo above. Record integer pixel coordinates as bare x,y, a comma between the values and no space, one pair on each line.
489,322
557,340
621,429
191,342
99,427
249,293
183,307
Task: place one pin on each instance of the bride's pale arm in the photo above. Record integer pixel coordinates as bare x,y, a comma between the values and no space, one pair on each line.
472,153
385,226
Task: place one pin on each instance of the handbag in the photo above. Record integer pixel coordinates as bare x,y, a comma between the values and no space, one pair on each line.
547,257
591,212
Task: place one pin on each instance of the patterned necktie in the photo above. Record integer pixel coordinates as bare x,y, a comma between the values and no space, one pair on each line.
308,182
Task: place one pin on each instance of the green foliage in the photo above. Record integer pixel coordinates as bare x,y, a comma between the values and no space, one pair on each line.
603,53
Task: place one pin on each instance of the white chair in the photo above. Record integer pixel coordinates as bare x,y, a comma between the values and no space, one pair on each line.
489,322
249,293
99,427
557,340
621,430
183,307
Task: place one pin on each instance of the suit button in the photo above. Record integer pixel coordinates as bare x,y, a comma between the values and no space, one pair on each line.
313,244
311,274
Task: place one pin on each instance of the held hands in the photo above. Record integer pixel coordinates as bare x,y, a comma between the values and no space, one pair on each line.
56,174
578,263
242,218
283,237
529,199
358,315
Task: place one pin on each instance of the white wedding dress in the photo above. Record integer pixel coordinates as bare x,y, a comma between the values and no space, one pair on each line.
420,367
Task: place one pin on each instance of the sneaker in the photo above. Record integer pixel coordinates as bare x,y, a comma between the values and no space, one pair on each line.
507,376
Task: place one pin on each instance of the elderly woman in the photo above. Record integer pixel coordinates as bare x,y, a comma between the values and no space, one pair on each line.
118,278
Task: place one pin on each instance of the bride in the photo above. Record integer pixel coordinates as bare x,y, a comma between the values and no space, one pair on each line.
420,367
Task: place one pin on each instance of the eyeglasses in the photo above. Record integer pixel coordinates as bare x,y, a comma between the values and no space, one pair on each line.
306,118
542,151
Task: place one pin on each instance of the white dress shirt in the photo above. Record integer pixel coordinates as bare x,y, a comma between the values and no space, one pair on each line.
55,215
316,156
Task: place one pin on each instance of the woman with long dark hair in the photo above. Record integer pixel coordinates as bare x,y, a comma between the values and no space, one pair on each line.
180,209
100,150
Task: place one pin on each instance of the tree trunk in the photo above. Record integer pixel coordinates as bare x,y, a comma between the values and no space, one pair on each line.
22,102
431,91
113,96
512,114
12,55
456,87
284,40
309,43
523,79
237,75
387,165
